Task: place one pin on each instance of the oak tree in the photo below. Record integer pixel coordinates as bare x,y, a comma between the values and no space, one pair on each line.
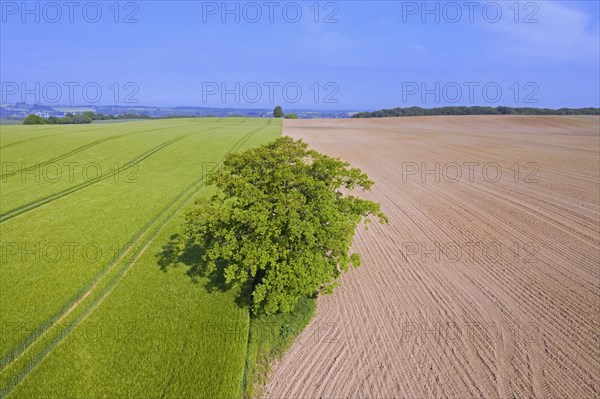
282,222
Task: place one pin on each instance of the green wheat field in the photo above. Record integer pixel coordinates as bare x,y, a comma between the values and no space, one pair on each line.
89,306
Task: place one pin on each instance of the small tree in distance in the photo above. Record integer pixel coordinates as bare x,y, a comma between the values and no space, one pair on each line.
33,119
280,225
278,112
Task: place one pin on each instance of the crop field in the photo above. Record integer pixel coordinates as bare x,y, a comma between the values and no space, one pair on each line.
486,282
87,306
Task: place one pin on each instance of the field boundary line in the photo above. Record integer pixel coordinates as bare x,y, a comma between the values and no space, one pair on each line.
244,379
184,198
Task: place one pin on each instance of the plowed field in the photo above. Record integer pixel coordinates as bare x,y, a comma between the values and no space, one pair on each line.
485,283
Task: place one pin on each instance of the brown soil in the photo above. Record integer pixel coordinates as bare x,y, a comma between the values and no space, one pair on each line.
480,286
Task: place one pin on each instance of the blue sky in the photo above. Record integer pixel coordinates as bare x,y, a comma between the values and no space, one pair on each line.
356,55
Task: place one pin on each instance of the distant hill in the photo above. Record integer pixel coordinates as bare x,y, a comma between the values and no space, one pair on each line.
418,111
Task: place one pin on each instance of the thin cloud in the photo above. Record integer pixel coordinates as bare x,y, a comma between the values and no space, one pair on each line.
563,34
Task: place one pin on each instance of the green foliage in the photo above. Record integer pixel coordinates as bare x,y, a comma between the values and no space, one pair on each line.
291,116
76,119
269,338
278,112
33,119
280,223
458,110
89,116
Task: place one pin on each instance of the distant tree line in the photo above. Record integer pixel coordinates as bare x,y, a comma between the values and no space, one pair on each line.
86,117
418,111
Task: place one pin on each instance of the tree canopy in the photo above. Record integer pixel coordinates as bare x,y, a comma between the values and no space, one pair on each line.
33,119
475,110
70,118
278,112
281,222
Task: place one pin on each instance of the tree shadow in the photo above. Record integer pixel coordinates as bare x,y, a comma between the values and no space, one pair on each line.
192,257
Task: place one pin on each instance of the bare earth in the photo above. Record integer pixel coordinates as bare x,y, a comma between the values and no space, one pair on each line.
482,285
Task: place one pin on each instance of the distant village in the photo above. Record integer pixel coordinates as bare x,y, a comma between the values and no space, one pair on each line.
19,111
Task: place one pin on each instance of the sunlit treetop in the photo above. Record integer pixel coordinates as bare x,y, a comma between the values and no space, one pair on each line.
281,223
